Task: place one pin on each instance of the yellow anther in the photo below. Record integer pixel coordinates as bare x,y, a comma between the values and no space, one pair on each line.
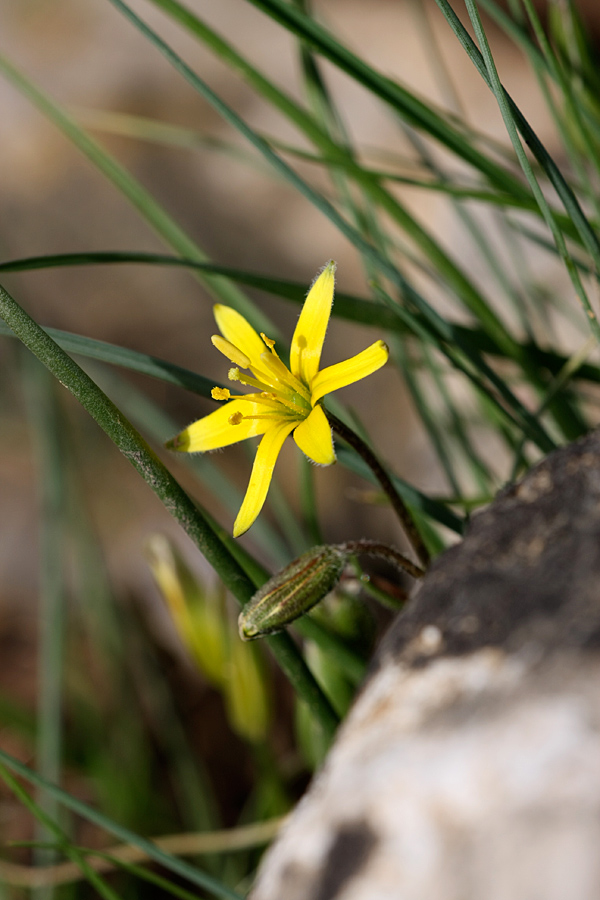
235,418
218,393
230,351
270,343
234,374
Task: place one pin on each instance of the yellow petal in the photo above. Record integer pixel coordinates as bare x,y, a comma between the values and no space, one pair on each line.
307,342
235,329
341,374
215,430
313,436
262,471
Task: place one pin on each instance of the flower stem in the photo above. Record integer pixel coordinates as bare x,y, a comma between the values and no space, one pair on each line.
384,551
400,508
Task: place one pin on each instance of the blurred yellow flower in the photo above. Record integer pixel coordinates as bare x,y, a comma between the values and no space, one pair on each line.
285,401
209,632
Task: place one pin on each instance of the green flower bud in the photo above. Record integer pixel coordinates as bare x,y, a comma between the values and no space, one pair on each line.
293,591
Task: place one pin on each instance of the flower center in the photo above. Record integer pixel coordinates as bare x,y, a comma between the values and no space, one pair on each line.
280,393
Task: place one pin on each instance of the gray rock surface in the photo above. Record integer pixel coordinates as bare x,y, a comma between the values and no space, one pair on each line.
469,766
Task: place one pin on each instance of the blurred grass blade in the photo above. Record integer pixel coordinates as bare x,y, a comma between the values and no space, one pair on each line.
49,436
465,357
190,873
325,131
346,306
411,495
177,502
436,430
509,113
480,470
129,359
49,826
576,120
486,68
441,328
138,196
419,114
415,111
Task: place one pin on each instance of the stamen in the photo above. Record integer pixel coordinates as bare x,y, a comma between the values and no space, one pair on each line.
300,409
230,351
218,393
235,418
280,372
235,375
270,344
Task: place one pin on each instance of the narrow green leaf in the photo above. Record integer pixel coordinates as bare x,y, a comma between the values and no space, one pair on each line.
334,144
150,209
346,306
48,435
411,108
128,359
410,494
513,120
512,114
439,325
192,874
49,826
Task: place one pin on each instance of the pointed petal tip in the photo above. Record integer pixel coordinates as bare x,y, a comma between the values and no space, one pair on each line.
349,371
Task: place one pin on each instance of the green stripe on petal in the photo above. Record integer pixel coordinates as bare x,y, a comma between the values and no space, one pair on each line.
307,342
234,328
341,374
215,430
262,472
313,436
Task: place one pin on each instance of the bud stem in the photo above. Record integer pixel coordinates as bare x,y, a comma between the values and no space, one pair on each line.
384,551
387,485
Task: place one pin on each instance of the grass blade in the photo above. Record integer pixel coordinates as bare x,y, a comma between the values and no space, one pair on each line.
413,110
192,874
153,213
440,326
44,415
514,119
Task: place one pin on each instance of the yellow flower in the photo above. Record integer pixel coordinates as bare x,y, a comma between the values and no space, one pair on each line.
284,400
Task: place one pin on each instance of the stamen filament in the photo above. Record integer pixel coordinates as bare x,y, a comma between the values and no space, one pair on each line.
283,375
235,375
